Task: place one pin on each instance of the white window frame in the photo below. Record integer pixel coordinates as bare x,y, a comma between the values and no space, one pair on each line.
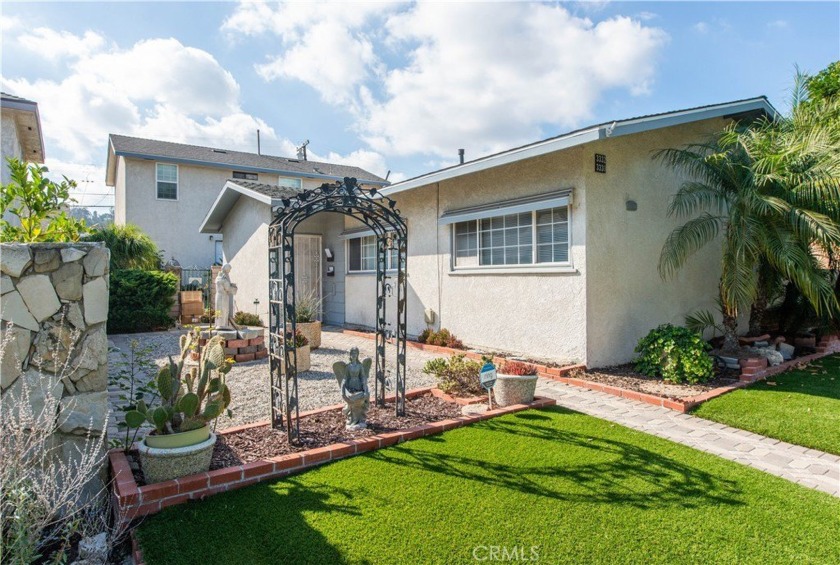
177,182
299,181
521,268
245,173
389,263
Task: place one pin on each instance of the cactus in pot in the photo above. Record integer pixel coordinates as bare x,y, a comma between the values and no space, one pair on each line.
189,400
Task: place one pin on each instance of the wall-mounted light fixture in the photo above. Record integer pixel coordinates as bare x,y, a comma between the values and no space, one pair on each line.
330,271
329,254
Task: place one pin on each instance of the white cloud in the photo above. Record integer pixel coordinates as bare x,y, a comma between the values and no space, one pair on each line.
778,24
430,80
55,45
701,27
9,23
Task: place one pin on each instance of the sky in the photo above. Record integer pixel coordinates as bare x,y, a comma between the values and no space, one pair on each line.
387,86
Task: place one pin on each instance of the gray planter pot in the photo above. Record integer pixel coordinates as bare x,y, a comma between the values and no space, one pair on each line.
513,389
162,464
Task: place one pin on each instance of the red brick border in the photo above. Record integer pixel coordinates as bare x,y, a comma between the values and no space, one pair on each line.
133,501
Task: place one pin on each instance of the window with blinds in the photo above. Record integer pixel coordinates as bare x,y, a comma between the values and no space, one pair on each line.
166,177
361,255
527,238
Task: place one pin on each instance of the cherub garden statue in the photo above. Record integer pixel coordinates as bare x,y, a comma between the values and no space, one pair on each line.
352,378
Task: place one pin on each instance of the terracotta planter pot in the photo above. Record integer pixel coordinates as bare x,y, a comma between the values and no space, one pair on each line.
514,389
312,332
165,463
304,360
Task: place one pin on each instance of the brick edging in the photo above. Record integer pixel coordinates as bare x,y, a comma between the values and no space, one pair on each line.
133,501
688,403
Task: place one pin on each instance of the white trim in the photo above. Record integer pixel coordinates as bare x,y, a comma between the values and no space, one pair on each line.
520,268
575,138
505,207
231,186
360,235
177,182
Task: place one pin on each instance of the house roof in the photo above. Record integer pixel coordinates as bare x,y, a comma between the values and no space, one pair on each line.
166,151
233,190
735,109
28,124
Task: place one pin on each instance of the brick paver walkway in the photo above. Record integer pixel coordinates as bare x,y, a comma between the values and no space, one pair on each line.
808,467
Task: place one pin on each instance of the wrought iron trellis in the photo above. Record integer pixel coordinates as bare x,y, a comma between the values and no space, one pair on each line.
380,214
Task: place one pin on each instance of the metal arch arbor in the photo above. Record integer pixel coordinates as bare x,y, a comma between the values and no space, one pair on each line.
381,215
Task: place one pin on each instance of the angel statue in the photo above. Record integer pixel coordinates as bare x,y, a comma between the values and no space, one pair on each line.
352,378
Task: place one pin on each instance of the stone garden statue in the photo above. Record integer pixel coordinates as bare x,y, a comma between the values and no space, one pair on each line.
352,378
224,298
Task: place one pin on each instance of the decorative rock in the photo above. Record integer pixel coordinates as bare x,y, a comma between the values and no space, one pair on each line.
53,346
773,357
14,311
92,354
68,255
47,260
68,281
73,314
95,294
31,395
14,259
94,549
96,261
69,387
15,351
84,412
6,284
93,381
786,350
250,333
39,295
227,334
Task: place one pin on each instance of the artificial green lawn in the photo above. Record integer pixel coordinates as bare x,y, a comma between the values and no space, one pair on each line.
582,490
800,406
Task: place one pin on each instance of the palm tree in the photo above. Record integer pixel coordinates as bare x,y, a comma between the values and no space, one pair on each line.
130,247
755,223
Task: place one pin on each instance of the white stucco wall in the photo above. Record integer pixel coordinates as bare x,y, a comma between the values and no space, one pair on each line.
540,315
246,249
626,296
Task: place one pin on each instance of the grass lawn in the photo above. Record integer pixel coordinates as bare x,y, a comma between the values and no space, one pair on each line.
575,488
799,406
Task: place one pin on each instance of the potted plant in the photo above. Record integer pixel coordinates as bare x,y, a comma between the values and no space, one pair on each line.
182,443
307,310
302,350
516,383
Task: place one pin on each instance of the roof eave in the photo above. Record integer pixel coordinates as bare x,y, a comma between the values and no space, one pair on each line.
213,224
244,168
29,107
594,133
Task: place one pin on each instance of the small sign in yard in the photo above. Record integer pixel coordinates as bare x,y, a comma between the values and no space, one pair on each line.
487,377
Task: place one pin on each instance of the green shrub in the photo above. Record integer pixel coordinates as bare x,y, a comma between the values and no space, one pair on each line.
130,247
676,354
140,301
442,338
246,319
458,375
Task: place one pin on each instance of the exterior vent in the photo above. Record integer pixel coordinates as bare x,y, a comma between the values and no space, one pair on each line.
219,151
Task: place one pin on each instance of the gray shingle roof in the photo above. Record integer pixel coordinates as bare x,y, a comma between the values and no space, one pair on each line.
271,190
135,146
5,96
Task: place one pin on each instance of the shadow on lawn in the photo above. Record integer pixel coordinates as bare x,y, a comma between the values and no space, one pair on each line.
272,526
619,472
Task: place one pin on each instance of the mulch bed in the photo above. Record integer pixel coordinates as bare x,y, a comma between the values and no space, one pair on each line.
626,377
317,430
326,428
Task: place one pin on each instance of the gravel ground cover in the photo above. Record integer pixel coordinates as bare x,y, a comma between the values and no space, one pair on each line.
248,382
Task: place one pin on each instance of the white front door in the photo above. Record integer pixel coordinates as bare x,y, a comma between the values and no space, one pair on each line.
308,267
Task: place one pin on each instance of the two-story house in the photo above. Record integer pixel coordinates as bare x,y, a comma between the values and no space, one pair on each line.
166,188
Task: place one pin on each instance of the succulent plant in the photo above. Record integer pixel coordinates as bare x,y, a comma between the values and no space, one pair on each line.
189,399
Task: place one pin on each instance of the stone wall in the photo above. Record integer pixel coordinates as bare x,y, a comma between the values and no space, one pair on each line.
54,305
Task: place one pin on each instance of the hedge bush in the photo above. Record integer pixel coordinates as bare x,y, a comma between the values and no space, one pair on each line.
676,354
140,301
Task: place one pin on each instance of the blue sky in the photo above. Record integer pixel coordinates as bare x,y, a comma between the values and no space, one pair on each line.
388,86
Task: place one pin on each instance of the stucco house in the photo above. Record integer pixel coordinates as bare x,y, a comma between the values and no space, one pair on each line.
549,250
166,188
21,131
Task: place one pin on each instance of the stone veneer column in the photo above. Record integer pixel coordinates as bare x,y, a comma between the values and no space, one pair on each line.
54,307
